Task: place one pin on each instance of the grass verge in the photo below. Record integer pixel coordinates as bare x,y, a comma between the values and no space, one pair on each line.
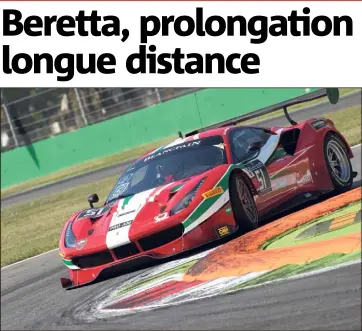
133,153
34,227
86,167
348,121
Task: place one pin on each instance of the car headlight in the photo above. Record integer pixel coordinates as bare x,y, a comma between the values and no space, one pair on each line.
70,239
187,199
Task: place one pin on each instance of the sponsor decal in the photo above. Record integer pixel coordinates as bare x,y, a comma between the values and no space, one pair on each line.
81,243
161,217
318,124
119,214
281,182
62,254
171,149
307,178
212,193
119,225
223,231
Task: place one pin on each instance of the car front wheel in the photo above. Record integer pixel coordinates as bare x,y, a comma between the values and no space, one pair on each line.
243,204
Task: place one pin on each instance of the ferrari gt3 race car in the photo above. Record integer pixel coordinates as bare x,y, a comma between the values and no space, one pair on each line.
204,186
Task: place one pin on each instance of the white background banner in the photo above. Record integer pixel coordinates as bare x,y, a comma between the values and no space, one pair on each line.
285,61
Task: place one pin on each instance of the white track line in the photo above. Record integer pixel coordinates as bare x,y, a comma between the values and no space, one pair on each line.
53,250
124,312
29,258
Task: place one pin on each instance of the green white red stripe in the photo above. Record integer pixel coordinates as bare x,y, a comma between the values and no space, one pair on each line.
70,264
209,206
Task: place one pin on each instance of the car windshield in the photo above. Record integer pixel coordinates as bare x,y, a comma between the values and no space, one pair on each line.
170,164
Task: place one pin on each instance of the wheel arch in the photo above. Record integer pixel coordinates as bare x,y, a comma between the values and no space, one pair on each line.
342,138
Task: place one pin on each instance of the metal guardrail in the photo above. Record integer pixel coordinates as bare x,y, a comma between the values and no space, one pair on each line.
32,114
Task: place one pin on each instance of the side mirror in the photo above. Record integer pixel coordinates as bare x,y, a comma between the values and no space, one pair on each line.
255,146
333,95
93,198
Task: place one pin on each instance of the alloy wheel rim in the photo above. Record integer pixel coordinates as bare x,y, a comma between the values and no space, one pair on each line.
338,161
246,200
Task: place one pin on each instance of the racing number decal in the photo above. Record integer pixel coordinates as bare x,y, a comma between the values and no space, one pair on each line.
260,177
258,170
95,212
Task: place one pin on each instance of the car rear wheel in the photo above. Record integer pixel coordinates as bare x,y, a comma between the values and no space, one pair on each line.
338,163
242,203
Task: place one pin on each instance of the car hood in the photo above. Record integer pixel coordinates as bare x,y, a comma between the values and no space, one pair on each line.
130,218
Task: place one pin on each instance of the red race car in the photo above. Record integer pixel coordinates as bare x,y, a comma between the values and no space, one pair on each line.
202,187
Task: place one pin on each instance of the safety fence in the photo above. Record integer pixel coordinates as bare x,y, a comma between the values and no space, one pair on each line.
186,113
32,114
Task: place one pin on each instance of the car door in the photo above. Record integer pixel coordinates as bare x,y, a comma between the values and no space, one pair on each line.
274,178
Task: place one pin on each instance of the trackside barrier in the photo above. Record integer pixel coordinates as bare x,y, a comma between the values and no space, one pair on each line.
189,112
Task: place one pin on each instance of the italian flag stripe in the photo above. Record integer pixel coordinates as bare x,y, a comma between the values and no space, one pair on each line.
208,203
126,200
70,264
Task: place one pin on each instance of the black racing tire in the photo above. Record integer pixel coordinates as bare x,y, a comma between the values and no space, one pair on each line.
338,163
243,204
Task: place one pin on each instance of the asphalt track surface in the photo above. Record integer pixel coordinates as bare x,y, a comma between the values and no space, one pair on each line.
32,298
347,101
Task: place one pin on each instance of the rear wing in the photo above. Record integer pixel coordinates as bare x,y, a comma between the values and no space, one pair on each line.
331,93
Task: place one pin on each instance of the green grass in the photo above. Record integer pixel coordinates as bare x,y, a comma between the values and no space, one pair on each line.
348,121
133,153
86,167
32,228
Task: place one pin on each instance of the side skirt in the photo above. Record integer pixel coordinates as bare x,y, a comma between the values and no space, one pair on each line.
293,203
